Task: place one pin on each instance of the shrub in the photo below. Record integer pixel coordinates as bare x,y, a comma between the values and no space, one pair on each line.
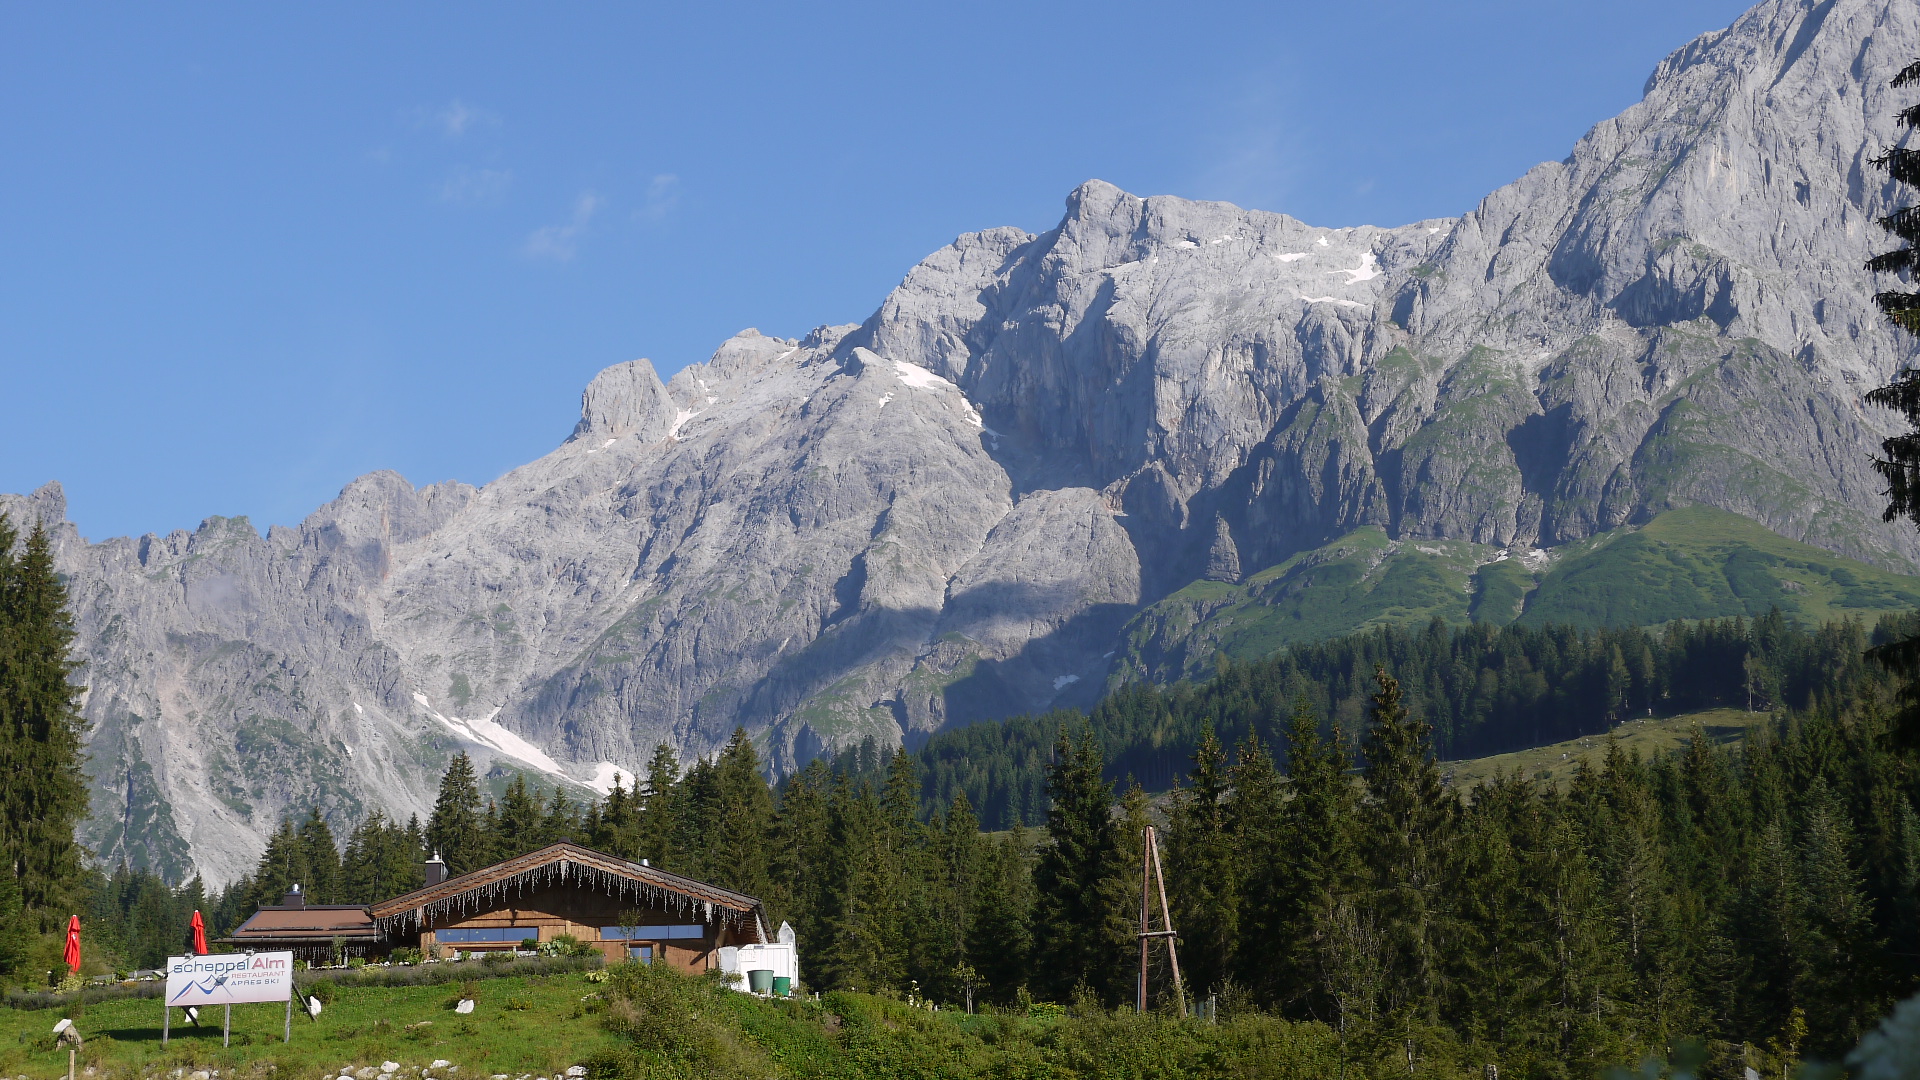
405,956
424,975
568,945
49,999
650,1007
499,957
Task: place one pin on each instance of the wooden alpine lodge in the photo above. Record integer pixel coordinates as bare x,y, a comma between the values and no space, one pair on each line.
626,910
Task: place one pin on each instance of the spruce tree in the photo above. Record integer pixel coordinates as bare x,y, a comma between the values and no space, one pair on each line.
520,829
615,826
382,861
1773,916
658,811
1000,930
1494,972
561,821
490,832
957,863
742,818
1405,824
1842,954
1072,880
849,816
907,855
282,866
1633,868
799,857
1203,859
869,935
40,724
1271,909
696,805
322,883
1576,952
455,827
1900,463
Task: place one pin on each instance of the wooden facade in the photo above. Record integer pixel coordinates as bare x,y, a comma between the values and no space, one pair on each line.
620,907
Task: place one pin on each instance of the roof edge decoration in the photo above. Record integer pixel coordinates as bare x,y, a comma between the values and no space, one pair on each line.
567,862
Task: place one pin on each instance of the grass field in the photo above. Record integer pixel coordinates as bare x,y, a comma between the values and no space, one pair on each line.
650,1024
1557,763
534,1025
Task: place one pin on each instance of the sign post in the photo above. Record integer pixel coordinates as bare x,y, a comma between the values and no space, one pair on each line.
229,979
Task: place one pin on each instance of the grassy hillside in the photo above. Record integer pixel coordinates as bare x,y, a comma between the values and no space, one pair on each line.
1701,563
1692,563
1556,763
650,1023
1361,580
537,1025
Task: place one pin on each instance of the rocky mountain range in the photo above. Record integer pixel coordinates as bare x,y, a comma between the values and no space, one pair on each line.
951,511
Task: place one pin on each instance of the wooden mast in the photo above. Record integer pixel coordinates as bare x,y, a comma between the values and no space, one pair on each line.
1150,872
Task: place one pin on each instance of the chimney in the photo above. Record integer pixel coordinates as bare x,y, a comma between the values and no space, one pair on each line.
294,897
436,870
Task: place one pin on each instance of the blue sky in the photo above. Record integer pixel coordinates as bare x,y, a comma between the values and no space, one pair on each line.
248,253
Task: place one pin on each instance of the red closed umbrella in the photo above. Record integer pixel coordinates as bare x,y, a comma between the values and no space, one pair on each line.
199,936
72,954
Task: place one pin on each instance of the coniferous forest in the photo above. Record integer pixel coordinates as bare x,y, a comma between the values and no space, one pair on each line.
1766,895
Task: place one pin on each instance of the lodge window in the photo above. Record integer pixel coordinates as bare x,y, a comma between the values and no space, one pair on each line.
651,933
477,934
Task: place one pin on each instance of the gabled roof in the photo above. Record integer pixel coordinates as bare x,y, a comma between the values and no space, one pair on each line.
567,862
317,921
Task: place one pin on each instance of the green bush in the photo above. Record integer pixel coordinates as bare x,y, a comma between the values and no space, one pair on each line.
679,1026
567,945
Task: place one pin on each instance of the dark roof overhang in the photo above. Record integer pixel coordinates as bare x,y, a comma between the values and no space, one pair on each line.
569,863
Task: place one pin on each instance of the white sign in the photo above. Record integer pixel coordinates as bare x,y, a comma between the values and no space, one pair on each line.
229,978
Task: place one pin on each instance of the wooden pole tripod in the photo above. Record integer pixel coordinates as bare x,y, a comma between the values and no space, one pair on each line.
1150,875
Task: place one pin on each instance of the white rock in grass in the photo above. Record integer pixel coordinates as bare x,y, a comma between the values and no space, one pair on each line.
439,1063
389,1066
577,1070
